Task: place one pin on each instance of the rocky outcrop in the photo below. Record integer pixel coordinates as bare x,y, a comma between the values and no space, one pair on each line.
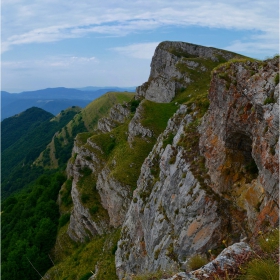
118,114
226,264
166,78
115,197
202,182
239,137
82,225
174,214
135,128
171,216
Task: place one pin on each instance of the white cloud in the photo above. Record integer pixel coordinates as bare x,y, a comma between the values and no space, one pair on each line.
25,22
50,63
142,51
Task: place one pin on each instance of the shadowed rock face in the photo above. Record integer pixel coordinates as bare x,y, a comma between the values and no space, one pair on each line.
239,137
165,78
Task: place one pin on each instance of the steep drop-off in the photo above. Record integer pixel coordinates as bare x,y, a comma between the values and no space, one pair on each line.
189,165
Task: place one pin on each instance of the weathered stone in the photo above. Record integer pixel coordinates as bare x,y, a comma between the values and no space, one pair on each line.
165,78
115,197
226,260
239,135
81,224
170,217
118,114
135,128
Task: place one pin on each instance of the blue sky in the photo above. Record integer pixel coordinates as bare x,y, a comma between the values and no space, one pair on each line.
48,43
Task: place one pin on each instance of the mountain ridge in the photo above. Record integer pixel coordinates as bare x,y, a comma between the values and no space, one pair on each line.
173,172
52,100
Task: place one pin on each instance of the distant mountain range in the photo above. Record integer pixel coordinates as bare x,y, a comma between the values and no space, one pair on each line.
52,100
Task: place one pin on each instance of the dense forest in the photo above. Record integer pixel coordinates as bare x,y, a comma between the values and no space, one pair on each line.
29,226
24,136
30,214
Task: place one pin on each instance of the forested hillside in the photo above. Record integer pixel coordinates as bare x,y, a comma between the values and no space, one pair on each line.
24,136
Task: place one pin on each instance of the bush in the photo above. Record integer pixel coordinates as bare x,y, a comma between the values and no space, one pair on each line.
276,79
93,210
84,197
196,262
64,219
86,276
134,105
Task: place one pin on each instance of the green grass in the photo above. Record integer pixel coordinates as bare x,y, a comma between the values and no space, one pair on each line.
276,79
196,262
200,81
156,115
100,107
270,242
91,198
259,269
80,260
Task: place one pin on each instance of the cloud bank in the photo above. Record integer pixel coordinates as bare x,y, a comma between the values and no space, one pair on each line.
26,22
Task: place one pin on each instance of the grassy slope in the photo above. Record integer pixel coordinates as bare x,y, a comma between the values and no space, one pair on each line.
59,149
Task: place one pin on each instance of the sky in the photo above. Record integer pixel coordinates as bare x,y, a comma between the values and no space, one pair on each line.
71,43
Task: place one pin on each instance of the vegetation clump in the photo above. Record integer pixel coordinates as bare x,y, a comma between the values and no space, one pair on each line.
196,262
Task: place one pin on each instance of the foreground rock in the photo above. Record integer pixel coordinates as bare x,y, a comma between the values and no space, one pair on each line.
225,264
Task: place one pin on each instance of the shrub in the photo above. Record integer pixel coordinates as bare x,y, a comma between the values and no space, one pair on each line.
114,249
269,100
196,262
134,105
64,219
84,197
276,79
86,171
172,160
259,269
86,276
93,210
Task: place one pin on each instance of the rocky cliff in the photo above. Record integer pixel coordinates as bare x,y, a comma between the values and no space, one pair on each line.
166,76
181,206
239,138
192,168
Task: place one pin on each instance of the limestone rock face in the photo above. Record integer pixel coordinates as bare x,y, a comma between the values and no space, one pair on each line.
118,114
135,128
165,77
82,225
115,197
170,216
239,137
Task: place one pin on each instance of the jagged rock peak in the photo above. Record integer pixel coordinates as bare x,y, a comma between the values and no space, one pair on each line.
166,77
